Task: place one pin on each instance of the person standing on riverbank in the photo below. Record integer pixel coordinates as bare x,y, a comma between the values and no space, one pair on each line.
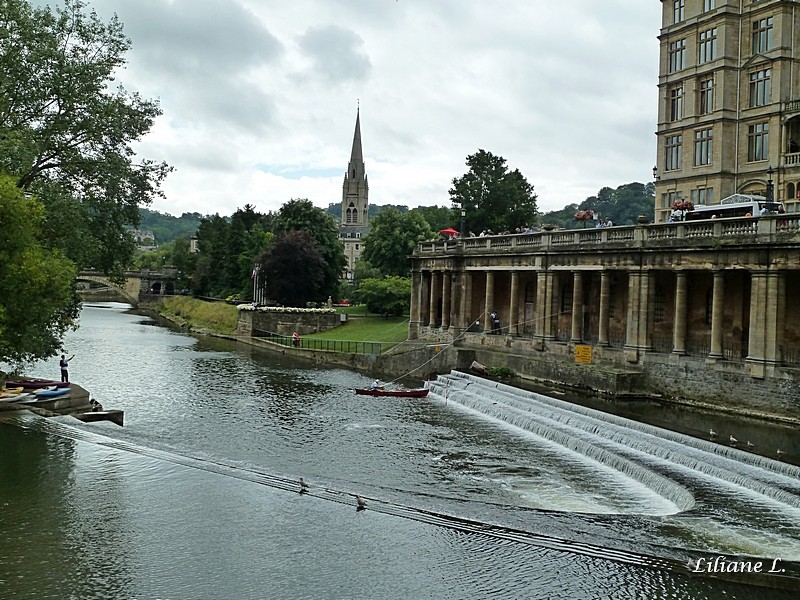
64,364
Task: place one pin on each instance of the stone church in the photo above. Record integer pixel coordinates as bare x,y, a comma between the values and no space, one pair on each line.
354,225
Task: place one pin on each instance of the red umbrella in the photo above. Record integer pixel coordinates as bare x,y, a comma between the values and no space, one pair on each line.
448,231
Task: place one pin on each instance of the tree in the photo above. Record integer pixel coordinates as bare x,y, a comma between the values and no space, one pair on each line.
67,135
492,196
624,204
439,217
38,303
294,269
390,295
301,215
392,239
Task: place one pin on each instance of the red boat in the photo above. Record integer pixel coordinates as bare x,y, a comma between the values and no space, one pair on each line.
35,384
420,393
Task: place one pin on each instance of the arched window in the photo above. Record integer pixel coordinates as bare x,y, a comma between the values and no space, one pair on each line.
791,190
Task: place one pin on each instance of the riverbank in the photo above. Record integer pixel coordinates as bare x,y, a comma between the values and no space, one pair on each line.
414,360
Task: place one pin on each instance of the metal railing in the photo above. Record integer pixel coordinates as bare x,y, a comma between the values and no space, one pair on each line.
345,346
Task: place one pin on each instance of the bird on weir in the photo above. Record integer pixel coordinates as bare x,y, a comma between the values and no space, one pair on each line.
712,433
303,486
733,440
361,504
780,453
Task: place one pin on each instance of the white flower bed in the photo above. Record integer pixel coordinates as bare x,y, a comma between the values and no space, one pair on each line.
288,309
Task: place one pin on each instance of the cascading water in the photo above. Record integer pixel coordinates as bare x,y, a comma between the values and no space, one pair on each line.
680,468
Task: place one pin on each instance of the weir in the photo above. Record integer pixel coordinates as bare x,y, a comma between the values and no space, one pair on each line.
677,467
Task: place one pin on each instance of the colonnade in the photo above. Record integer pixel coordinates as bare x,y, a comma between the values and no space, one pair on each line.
720,313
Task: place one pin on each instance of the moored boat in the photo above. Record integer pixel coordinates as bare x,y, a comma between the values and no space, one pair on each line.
418,393
49,393
36,384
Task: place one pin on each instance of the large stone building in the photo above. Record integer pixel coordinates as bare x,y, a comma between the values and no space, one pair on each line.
354,225
729,101
701,310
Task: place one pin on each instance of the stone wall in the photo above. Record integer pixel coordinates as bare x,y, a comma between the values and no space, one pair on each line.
258,322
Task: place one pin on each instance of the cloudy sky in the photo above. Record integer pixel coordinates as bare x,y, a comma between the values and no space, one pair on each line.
260,96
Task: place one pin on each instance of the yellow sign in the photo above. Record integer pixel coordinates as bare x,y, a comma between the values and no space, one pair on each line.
583,354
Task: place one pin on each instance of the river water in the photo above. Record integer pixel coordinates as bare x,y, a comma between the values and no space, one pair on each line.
197,495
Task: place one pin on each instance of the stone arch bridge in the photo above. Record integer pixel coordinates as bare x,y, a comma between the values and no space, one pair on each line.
138,285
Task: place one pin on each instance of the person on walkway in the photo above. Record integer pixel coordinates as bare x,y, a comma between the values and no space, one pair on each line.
64,364
296,339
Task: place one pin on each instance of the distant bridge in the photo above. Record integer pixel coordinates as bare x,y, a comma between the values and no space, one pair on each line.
137,285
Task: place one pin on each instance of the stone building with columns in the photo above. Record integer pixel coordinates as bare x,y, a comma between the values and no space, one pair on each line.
701,310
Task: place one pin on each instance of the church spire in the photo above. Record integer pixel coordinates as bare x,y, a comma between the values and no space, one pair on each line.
356,155
355,189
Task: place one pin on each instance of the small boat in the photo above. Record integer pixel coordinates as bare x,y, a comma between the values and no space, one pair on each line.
35,384
6,392
49,393
419,393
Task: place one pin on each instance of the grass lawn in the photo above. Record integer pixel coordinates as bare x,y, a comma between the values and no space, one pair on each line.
368,329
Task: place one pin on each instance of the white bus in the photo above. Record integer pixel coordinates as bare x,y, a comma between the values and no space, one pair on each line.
738,205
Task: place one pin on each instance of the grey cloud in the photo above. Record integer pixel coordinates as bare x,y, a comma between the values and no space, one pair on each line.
336,53
201,52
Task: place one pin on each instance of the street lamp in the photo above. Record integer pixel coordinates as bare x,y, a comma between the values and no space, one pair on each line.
463,215
655,174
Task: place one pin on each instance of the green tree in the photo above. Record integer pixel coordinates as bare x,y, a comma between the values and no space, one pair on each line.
390,295
624,204
492,196
294,269
66,134
301,215
392,239
38,303
212,242
439,217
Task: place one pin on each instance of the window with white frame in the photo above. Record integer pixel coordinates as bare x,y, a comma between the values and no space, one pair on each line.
706,97
673,152
708,5
760,87
703,146
676,103
758,142
678,7
677,55
707,46
762,35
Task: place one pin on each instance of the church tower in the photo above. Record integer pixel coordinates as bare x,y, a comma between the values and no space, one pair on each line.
355,202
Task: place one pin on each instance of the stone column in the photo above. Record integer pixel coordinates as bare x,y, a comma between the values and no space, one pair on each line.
416,305
758,324
424,297
432,303
577,307
513,318
605,300
681,306
717,314
447,278
773,321
539,312
637,335
488,302
547,308
466,301
456,290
